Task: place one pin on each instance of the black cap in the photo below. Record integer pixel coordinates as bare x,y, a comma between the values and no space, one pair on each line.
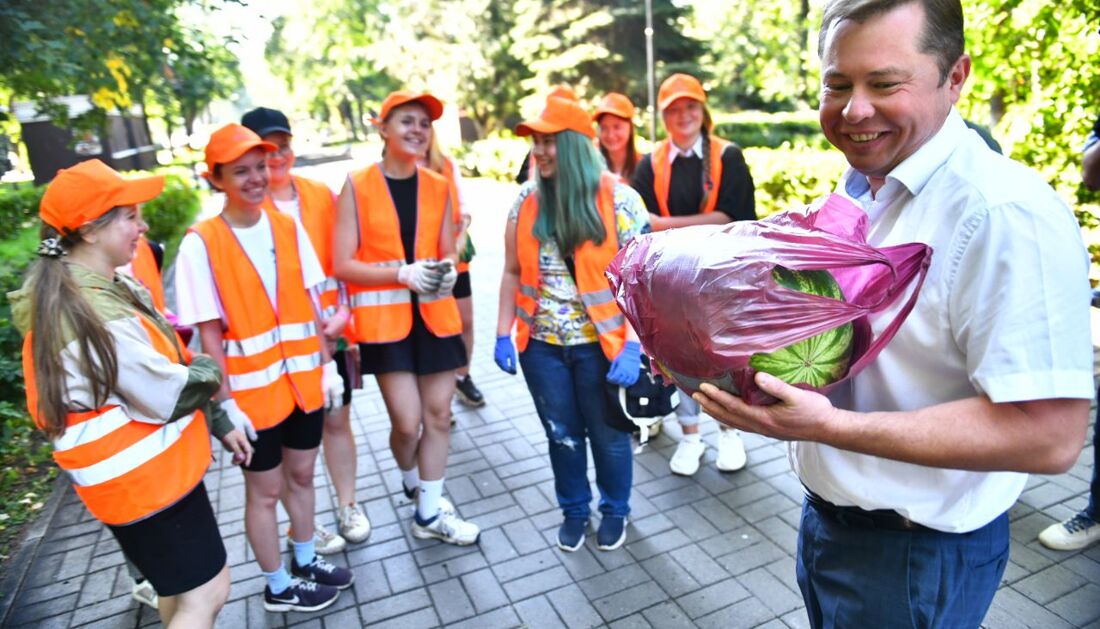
264,121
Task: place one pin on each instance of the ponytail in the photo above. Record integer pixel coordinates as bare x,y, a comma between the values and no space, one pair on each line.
708,181
58,308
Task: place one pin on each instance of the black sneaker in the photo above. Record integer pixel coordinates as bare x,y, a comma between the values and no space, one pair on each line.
468,392
301,596
323,573
612,532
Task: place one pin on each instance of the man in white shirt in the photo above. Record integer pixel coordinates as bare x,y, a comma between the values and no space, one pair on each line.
910,470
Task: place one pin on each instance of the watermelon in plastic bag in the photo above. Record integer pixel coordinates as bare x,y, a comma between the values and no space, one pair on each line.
789,295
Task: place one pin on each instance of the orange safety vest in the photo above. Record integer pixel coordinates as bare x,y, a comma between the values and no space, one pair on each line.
383,314
272,355
317,207
662,172
591,262
144,269
126,470
456,209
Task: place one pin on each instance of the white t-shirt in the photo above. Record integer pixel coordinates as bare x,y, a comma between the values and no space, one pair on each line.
292,207
196,294
1004,312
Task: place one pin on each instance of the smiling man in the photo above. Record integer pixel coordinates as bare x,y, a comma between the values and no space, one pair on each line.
911,469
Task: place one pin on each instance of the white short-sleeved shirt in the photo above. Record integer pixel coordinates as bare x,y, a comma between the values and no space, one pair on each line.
196,294
1004,312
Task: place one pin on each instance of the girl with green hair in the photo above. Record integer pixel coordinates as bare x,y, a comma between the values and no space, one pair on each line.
573,340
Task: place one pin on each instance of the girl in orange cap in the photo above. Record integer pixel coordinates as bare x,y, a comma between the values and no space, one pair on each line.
695,178
395,247
434,159
119,396
573,340
615,118
243,278
313,205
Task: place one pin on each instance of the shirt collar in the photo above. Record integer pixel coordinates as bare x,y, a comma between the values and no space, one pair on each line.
675,151
918,168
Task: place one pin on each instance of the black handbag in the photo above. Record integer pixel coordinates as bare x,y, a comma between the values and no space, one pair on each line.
642,404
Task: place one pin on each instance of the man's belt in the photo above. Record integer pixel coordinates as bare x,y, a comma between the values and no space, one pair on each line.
861,518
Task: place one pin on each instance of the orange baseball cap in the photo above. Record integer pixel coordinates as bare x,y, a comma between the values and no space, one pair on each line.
83,193
559,114
563,91
402,97
615,104
680,86
230,142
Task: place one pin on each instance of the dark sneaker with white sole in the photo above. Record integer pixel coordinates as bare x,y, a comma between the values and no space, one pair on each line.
612,532
468,393
571,534
323,573
301,596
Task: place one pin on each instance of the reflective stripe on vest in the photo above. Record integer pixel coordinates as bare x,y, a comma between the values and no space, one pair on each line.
383,314
591,261
125,470
662,174
272,355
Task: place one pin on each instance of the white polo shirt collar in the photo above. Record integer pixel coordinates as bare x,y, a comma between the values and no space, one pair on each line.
696,149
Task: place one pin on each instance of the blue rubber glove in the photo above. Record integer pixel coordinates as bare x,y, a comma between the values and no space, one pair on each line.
505,354
627,365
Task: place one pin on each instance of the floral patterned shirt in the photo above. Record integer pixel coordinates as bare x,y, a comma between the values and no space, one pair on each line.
560,317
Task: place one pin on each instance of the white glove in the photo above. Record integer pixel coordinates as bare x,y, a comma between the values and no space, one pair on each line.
449,277
421,276
240,421
332,385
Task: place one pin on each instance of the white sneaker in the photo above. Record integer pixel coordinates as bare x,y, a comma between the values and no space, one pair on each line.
414,494
685,461
144,593
448,528
325,541
1075,533
731,451
353,523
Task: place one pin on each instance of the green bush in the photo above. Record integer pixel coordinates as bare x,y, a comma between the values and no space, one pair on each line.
18,208
496,157
757,129
172,212
790,178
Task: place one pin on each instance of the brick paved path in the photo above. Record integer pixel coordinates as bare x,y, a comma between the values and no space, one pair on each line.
715,550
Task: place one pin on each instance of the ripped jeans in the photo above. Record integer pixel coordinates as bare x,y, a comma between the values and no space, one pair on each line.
567,385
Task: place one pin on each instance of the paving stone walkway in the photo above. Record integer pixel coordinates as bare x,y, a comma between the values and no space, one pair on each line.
715,550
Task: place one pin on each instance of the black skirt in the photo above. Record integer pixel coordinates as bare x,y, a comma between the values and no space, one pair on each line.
421,352
177,549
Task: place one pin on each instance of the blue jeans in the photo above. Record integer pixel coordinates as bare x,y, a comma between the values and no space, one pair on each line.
868,577
567,385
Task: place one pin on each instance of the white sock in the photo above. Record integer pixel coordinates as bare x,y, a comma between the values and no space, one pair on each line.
694,437
410,478
427,506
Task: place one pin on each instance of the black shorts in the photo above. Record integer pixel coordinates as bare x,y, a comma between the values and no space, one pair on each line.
299,431
421,352
462,286
341,359
177,549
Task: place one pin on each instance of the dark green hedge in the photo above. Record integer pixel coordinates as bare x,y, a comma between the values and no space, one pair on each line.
769,134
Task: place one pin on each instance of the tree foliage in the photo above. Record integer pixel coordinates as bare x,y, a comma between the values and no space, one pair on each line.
1035,78
118,52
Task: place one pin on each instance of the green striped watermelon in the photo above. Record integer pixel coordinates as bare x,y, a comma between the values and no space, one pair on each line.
821,359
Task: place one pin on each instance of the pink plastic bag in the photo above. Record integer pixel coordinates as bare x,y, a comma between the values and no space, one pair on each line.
703,300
